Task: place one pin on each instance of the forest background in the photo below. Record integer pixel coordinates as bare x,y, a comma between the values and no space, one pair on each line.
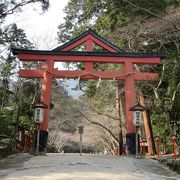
135,26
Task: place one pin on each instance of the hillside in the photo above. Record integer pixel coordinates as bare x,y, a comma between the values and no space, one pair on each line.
68,114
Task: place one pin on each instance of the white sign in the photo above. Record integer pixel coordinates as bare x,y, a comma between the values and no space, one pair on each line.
39,115
137,118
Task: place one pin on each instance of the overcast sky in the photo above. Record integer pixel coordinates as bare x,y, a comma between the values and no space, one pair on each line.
41,28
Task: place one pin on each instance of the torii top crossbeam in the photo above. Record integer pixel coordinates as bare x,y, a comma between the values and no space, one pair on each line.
67,53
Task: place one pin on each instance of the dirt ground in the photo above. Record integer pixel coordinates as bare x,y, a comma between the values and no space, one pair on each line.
87,167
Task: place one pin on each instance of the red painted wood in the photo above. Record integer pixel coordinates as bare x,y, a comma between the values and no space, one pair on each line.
129,97
73,74
143,76
31,73
102,44
89,48
89,58
76,44
84,74
46,94
92,74
86,38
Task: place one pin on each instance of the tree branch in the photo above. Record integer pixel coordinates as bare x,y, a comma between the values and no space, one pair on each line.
107,115
98,124
152,13
174,94
162,74
11,11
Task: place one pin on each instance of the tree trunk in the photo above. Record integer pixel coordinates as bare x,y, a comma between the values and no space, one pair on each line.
146,125
19,94
151,131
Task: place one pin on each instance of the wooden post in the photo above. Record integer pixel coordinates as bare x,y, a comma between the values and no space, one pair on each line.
174,145
89,48
46,99
146,125
130,101
157,138
129,96
38,134
46,94
137,142
81,132
119,117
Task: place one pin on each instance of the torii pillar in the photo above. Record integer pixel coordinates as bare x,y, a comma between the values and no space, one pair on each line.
46,99
130,101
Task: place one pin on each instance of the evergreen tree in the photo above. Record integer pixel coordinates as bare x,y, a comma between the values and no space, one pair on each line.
11,107
137,26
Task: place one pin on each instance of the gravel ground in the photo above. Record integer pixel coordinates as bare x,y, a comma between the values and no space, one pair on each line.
86,167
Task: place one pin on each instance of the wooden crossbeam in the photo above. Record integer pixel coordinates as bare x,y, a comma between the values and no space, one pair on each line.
87,75
89,58
31,73
142,76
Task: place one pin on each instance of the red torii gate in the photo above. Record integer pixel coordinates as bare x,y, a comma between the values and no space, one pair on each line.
65,53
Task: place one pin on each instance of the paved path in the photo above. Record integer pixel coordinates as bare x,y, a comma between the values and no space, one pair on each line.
86,167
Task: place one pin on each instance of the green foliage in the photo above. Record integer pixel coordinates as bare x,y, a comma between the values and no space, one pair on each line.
106,15
10,36
12,106
129,24
91,88
102,95
6,121
175,114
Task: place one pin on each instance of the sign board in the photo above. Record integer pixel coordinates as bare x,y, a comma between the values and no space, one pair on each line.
80,129
39,115
137,118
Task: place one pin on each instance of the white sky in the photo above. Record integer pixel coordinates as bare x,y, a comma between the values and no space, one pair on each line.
40,28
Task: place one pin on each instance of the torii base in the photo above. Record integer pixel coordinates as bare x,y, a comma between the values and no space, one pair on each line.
131,143
43,141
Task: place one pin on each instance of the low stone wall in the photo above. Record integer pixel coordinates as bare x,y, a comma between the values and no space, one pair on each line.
5,146
171,163
4,152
